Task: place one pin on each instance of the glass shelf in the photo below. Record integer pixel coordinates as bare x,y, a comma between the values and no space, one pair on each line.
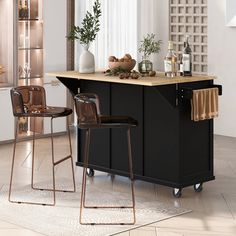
22,19
32,77
35,48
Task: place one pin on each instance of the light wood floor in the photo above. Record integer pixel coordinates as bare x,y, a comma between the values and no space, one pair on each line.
214,209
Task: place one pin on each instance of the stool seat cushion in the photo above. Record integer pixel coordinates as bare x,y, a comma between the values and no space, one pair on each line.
53,112
111,122
117,121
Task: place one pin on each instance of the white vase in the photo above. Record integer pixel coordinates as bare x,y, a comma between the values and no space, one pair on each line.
86,61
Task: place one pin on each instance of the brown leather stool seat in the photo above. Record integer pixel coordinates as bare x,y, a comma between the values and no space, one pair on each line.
30,101
54,112
89,117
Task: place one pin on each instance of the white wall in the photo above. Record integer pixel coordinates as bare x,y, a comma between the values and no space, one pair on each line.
153,18
222,62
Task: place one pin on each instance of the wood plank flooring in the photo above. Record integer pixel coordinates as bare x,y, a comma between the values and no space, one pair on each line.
214,209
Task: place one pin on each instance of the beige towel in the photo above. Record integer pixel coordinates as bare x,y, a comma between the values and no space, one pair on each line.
204,104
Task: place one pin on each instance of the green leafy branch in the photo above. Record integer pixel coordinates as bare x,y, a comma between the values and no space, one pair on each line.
149,45
90,26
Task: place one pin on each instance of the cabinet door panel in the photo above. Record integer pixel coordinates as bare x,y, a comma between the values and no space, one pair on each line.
197,156
127,100
6,117
161,134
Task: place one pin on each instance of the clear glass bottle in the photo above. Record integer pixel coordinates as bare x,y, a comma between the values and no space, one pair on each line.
187,58
170,61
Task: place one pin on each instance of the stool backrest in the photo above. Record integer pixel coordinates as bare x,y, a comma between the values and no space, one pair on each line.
87,109
26,99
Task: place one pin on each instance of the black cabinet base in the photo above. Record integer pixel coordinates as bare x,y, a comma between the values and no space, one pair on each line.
168,148
151,180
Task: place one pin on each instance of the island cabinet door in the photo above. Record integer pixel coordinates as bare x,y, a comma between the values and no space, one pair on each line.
161,135
99,154
196,142
127,100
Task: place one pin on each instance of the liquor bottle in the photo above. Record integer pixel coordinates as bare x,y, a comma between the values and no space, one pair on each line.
20,10
187,58
170,61
181,71
26,10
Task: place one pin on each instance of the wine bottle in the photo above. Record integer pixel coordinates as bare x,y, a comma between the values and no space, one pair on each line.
170,61
181,66
187,58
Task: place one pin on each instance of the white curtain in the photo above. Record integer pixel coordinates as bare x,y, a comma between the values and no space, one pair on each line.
122,25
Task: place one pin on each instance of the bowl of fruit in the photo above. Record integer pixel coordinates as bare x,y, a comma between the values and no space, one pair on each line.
125,63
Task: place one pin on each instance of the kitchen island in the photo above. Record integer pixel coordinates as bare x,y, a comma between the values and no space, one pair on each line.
168,147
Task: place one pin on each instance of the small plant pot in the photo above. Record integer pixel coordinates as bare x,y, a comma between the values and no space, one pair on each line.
145,66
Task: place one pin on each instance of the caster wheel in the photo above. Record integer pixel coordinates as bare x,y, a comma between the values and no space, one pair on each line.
90,173
177,192
198,187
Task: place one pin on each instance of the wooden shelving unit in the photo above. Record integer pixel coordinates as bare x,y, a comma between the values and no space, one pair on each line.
30,54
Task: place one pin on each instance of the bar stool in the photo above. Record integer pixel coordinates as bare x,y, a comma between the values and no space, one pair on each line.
30,102
89,117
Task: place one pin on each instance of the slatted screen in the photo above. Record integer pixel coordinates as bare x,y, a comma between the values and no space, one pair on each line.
190,17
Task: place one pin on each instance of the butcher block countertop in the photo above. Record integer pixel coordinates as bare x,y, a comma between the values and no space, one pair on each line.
158,80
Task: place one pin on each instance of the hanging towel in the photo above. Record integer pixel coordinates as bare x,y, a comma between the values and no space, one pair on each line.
204,104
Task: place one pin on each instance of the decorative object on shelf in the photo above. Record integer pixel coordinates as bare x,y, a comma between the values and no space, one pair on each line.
87,34
148,46
1,70
126,62
26,72
23,10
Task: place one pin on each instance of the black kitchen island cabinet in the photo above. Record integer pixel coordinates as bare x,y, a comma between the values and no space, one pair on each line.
168,148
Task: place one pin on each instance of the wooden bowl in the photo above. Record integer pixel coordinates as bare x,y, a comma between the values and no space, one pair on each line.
129,65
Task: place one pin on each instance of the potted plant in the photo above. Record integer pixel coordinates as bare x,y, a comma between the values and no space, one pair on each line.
148,46
86,34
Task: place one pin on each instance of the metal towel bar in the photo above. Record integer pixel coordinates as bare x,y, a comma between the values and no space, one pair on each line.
187,93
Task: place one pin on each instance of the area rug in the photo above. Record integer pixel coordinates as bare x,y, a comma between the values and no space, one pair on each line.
63,219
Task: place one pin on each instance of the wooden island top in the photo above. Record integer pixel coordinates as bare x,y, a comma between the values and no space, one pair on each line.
158,80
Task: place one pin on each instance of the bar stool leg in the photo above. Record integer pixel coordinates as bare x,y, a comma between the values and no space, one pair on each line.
11,178
53,165
86,156
131,172
33,151
71,158
56,163
83,192
13,160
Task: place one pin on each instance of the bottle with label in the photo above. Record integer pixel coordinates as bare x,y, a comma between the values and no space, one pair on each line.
170,61
20,10
187,58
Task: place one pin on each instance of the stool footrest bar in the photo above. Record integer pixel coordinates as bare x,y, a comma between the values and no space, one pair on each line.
63,159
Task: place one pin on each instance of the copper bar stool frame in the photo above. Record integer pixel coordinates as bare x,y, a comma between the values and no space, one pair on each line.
30,101
89,117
